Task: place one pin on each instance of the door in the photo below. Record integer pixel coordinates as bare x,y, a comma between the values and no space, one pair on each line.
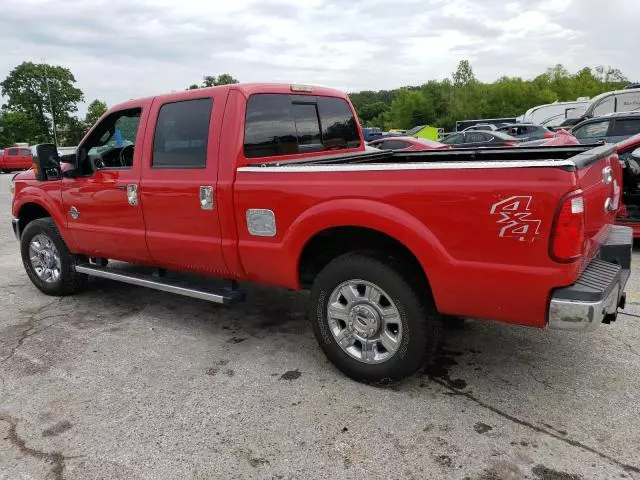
102,204
178,186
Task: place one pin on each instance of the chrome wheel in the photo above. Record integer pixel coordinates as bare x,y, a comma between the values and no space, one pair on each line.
364,321
45,258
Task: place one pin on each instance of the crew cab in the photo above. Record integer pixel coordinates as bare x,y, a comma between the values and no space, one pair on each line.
15,158
273,184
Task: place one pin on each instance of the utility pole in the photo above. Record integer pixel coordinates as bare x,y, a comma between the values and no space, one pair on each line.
53,117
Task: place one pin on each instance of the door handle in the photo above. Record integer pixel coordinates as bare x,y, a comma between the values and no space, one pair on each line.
121,187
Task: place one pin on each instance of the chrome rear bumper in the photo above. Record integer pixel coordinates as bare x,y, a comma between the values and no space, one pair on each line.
599,291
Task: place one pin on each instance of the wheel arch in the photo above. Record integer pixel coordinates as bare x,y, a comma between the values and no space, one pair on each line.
372,226
32,207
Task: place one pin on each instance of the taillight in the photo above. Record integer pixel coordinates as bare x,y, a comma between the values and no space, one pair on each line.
567,237
549,135
510,143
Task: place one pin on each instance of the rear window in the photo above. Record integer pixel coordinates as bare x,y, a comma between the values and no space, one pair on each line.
279,124
626,127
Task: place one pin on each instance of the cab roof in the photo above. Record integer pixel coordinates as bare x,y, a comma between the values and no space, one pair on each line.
246,89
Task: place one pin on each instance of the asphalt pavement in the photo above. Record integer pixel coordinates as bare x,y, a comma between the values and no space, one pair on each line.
120,382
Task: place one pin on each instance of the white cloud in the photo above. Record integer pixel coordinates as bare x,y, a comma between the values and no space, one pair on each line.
122,49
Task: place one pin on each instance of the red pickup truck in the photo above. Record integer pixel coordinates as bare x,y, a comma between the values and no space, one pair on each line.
15,158
273,184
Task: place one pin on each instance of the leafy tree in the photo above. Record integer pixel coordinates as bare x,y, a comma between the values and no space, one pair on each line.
441,103
72,131
213,81
27,88
16,127
463,76
408,109
95,110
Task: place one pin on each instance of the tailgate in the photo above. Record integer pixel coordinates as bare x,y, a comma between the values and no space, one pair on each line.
600,178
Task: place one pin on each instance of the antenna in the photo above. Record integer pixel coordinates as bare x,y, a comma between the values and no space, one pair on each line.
53,117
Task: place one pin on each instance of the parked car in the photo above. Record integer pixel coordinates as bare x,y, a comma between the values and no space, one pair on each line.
561,138
15,158
273,184
612,128
481,127
407,144
373,133
526,131
480,139
462,125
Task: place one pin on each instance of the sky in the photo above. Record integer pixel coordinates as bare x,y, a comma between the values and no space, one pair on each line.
123,49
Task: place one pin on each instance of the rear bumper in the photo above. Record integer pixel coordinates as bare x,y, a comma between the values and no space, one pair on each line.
599,291
15,223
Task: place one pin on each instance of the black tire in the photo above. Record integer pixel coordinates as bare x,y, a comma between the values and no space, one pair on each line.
69,281
419,318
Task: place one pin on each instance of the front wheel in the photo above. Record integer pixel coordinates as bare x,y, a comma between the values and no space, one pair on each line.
371,321
47,260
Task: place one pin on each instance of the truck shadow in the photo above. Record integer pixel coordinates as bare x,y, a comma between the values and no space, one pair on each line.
479,355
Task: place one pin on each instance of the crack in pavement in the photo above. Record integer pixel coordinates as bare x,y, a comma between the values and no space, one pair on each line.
574,443
55,458
30,331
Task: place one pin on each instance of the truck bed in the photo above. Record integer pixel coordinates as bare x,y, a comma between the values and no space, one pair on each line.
568,157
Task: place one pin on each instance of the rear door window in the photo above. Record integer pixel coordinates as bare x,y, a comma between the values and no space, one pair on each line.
625,127
395,145
182,133
278,124
592,130
475,137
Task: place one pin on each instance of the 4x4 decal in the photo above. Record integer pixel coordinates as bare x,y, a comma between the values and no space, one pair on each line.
515,218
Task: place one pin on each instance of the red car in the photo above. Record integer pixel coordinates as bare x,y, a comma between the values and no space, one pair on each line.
273,184
629,213
407,144
15,158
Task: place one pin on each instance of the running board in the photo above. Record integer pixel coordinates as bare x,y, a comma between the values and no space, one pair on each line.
224,295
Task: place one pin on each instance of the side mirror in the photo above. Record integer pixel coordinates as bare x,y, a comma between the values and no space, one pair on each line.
46,162
636,154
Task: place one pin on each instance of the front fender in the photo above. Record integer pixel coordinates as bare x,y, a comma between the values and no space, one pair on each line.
46,199
379,216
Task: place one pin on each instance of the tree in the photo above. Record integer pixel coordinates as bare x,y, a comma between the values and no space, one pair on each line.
16,127
94,111
463,75
213,81
72,131
27,88
409,109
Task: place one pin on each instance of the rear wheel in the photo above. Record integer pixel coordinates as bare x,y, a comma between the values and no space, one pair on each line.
47,260
370,320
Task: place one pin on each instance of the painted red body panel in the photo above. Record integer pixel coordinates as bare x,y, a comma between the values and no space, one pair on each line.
442,216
